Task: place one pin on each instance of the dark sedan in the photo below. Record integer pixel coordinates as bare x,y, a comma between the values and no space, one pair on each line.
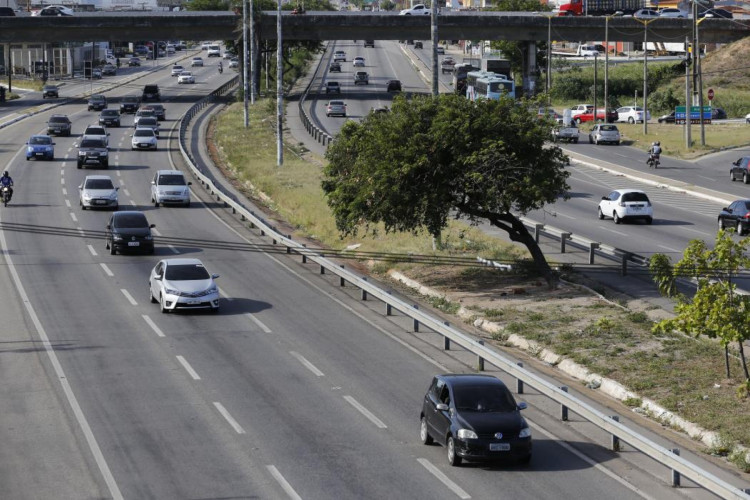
393,86
129,231
736,215
50,91
718,114
476,418
667,118
335,67
134,61
109,117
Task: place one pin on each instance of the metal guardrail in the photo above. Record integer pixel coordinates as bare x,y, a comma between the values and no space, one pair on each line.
610,424
318,133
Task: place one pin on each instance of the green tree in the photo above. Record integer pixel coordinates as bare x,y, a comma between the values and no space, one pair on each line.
716,310
208,5
433,158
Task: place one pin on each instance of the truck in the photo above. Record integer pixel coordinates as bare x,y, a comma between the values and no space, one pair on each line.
496,65
600,7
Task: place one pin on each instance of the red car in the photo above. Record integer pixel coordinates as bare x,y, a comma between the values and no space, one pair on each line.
588,116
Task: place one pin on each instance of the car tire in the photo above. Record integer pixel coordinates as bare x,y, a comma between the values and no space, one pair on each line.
453,458
78,165
27,158
424,434
525,460
156,203
721,224
616,217
575,141
112,250
649,220
591,141
630,120
731,176
578,121
600,214
151,294
745,178
741,229
617,143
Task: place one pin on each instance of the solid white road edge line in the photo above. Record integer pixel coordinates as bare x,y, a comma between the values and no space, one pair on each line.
283,483
188,368
589,461
104,266
307,364
443,478
237,428
258,322
101,462
129,297
153,326
364,411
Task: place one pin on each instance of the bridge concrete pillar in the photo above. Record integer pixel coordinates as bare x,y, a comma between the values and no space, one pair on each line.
529,69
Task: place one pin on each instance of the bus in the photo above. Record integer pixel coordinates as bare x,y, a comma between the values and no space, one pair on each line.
488,85
460,71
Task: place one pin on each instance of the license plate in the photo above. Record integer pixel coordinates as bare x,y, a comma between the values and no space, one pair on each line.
133,243
145,145
57,130
499,447
193,302
636,209
102,202
40,154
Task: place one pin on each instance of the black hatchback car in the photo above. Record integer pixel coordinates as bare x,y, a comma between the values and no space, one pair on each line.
129,104
393,86
476,418
151,93
736,215
109,117
97,102
50,91
667,118
129,231
741,170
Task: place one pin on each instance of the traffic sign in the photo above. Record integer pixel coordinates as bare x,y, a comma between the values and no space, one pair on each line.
710,94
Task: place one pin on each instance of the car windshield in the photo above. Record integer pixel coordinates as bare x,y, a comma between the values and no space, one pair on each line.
145,112
186,272
336,103
96,98
131,221
176,66
484,398
40,140
50,87
171,180
109,112
145,132
99,184
91,143
634,197
130,99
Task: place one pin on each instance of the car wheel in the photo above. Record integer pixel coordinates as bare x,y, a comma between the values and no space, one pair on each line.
649,220
721,224
616,217
741,229
453,457
78,165
112,250
745,178
575,141
156,203
525,460
617,143
591,141
631,121
601,214
731,176
163,309
151,295
424,435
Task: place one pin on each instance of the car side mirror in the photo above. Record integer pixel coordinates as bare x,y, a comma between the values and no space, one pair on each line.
736,162
605,198
442,407
117,188
157,276
152,225
727,209
214,276
522,405
109,226
190,183
54,143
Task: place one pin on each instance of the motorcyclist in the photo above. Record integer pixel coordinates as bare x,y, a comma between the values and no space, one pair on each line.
221,68
6,180
653,152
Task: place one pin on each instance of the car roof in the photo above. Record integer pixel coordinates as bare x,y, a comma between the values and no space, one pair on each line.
41,135
182,261
98,177
466,379
628,190
122,213
169,172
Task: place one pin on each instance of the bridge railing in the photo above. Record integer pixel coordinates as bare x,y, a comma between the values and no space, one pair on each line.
453,337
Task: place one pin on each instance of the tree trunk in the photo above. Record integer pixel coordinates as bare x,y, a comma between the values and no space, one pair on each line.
744,362
726,359
518,233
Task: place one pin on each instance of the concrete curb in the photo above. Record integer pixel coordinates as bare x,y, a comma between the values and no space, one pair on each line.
612,388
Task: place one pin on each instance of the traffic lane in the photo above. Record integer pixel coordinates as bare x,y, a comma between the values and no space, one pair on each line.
139,402
41,456
424,56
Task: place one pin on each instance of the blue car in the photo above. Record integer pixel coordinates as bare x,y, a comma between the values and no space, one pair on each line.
40,147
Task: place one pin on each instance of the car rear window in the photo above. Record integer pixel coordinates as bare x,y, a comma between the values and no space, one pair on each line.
634,197
146,120
171,180
609,128
484,398
59,119
185,272
95,131
130,221
99,184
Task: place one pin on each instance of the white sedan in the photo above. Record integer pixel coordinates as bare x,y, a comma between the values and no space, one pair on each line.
144,138
186,77
624,204
177,69
98,191
197,61
183,284
359,62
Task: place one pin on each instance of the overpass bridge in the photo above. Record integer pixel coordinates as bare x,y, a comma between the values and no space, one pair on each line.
212,25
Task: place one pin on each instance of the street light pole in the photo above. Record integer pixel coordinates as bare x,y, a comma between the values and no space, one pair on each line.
245,86
688,138
434,33
697,55
645,73
606,63
596,60
549,58
279,90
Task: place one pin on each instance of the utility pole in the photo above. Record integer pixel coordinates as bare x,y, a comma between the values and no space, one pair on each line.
606,64
688,138
434,33
279,90
245,86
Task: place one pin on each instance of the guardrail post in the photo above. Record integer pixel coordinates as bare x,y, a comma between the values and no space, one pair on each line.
262,232
289,249
615,439
388,307
675,474
563,408
364,292
563,238
446,340
322,269
416,321
341,279
273,240
304,256
480,359
519,382
624,266
537,231
592,247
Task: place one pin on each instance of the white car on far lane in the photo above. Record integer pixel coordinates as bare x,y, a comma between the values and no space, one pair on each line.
417,10
186,77
177,69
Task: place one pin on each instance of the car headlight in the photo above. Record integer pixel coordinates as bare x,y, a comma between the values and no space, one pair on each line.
149,237
29,149
113,195
525,432
116,237
466,434
172,291
86,197
104,153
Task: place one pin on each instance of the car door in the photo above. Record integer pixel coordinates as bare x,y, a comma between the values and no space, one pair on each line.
442,418
608,203
730,219
156,284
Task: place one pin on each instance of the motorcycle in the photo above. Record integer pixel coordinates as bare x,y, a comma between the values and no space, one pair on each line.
5,194
653,161
221,70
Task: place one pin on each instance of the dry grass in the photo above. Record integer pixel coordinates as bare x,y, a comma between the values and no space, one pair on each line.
672,137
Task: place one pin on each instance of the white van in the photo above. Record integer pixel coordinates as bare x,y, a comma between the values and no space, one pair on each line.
170,50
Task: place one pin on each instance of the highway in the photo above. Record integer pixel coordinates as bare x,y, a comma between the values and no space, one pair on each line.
296,389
